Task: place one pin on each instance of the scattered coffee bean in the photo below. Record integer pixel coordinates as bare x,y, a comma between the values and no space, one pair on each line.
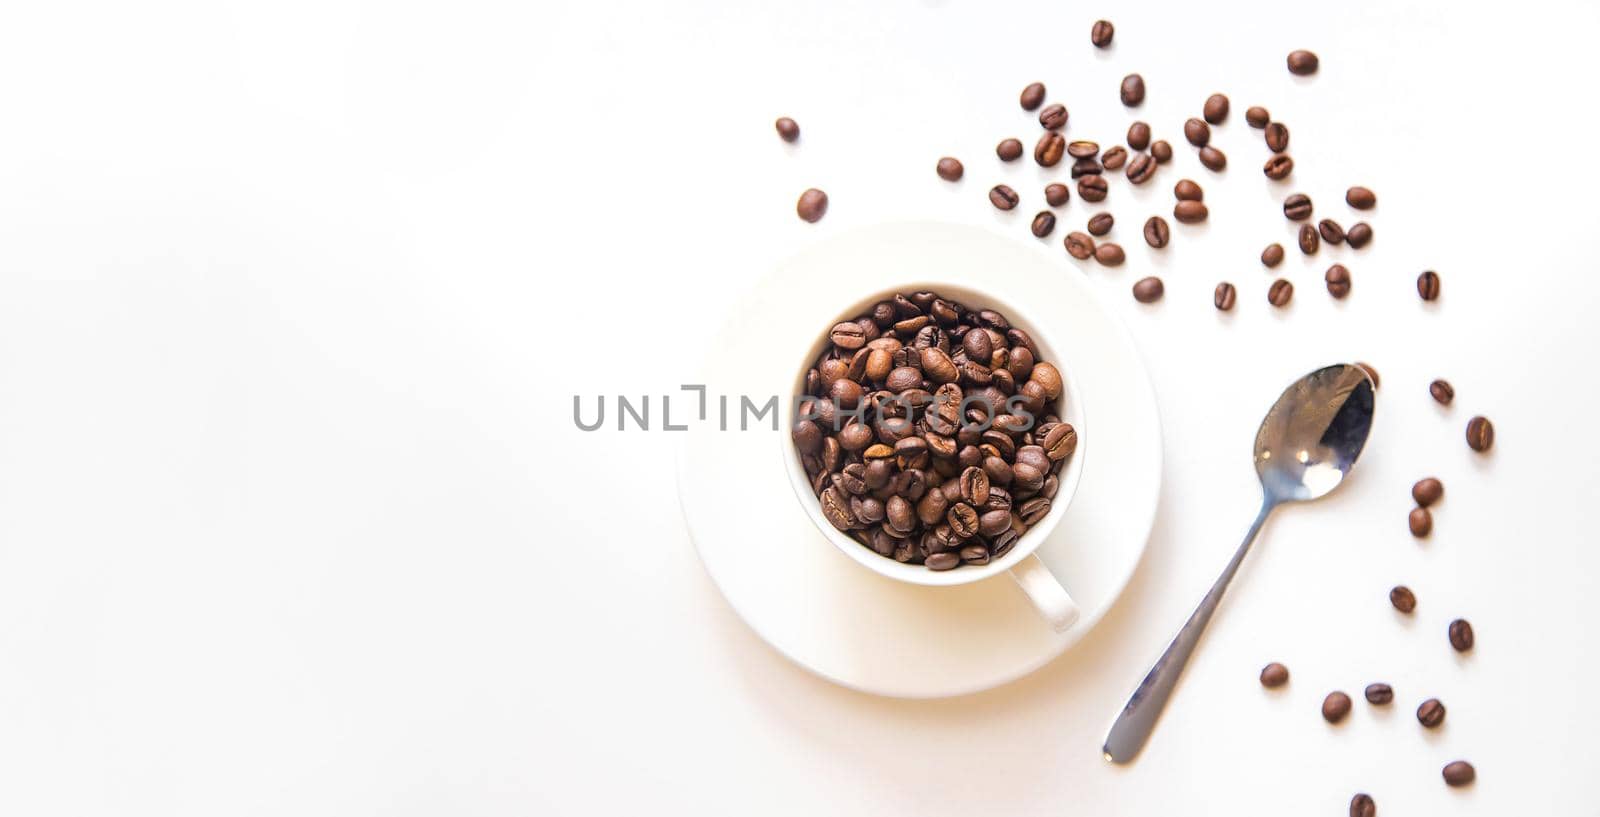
1049,149
1274,675
1442,392
1156,232
1190,212
1309,240
1272,255
1431,713
1428,285
1402,598
1114,158
1379,694
1277,136
1459,773
1280,292
1461,635
1003,197
1148,290
1079,245
1257,116
1302,63
1338,280
1187,190
1082,148
812,205
1335,707
1421,522
1101,33
1161,151
1141,168
788,129
1109,254
1224,297
1053,117
1214,160
1480,434
1197,132
1100,223
1362,806
1331,231
1009,150
1044,223
950,169
1216,109
1278,167
1132,90
1360,198
1032,96
1297,207
1358,235
1372,373
1085,167
1138,136
1092,188
1427,491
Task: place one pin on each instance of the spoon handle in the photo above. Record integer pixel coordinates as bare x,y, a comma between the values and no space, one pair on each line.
1138,718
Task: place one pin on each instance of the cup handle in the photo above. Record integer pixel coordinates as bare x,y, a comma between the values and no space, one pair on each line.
1047,594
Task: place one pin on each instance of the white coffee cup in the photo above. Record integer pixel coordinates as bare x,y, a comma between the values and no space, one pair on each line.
1036,581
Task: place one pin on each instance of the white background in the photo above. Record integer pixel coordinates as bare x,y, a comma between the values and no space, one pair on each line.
294,298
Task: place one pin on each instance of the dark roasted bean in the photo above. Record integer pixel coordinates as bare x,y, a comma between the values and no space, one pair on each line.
942,561
1459,773
1141,168
1309,239
1442,392
1402,598
1224,297
1277,136
1003,197
1335,707
1100,224
1272,255
1043,223
1197,132
1085,167
1278,167
1358,235
1214,160
1049,149
1302,63
1480,434
1053,117
1362,806
1360,198
1161,151
1297,207
1057,194
1338,280
1092,188
1109,254
1082,148
1187,190
1148,290
812,205
1009,150
950,169
1257,116
1138,136
1280,292
1379,694
1156,232
788,129
1032,96
1431,713
1079,245
1101,33
1331,231
1132,90
1428,285
1274,675
1427,491
1114,158
1216,109
1461,637
1190,212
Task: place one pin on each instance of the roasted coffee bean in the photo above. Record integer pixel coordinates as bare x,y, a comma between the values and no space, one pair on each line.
1003,197
1132,90
1057,194
1043,223
1442,392
1161,151
1156,232
1278,167
1431,713
788,129
1358,235
812,205
807,437
1360,198
1331,231
1214,160
1362,806
1402,598
1109,254
1032,96
1459,773
1274,675
1338,280
1297,207
1216,109
1190,212
1427,491
1100,224
1138,136
1272,255
1309,239
1048,377
1092,188
1197,132
974,485
1480,434
848,335
962,519
1224,296
1280,292
950,169
1277,136
1428,286
1033,510
1187,190
1379,694
993,523
1148,290
1101,33
1053,117
1049,149
975,555
1257,116
1141,168
1086,167
1302,63
1082,149
1009,150
1060,442
1461,635
1335,707
836,509
1079,245
942,561
1114,158
1371,373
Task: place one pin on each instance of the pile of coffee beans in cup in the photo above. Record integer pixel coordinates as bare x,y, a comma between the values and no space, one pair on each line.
930,431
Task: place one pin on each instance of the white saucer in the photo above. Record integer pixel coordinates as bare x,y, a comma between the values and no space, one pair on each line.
824,611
